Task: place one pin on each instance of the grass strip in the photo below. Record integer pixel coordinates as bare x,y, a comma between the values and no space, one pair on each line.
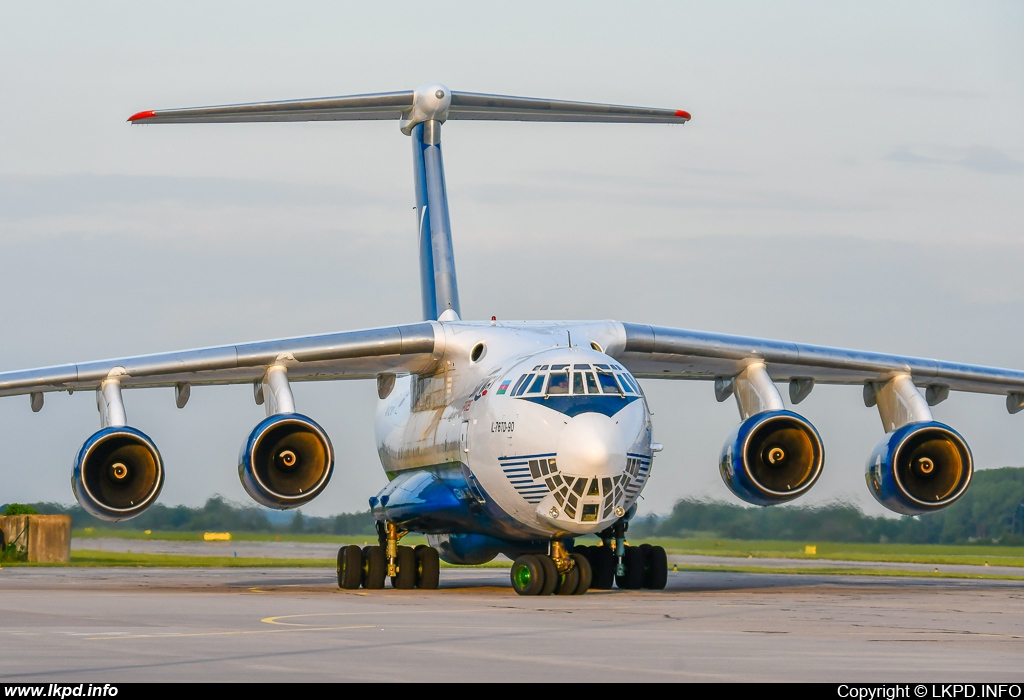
840,571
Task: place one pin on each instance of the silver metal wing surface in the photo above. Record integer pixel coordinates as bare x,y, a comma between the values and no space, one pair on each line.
413,348
674,353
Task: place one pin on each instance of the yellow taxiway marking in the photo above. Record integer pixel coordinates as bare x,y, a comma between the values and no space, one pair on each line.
234,632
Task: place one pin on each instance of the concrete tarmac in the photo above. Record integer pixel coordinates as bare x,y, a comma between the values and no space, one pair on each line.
109,625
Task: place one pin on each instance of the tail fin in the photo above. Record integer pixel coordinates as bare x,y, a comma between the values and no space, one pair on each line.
420,113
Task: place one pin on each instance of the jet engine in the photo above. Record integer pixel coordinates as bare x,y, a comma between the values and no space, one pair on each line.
919,468
286,461
117,474
772,457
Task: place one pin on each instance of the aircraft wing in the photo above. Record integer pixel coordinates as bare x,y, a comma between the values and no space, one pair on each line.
360,354
674,353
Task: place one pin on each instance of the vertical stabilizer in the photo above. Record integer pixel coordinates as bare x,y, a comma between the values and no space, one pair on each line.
440,290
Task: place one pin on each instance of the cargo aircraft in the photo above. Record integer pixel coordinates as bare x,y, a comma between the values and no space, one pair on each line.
512,437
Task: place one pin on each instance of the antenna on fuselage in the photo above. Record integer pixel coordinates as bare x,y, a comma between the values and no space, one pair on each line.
421,113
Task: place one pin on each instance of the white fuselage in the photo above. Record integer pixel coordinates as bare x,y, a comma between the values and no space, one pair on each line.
554,431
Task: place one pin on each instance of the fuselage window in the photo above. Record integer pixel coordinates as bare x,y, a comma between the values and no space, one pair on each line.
537,386
608,384
577,383
559,383
592,384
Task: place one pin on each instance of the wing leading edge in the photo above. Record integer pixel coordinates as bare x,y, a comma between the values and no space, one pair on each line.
673,353
360,354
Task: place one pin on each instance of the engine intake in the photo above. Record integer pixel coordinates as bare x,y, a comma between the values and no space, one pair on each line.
772,457
117,474
919,468
286,461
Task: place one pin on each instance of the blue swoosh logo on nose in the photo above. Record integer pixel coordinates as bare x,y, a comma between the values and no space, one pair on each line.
575,405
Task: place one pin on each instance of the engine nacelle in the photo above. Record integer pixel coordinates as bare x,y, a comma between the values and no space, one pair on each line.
919,468
117,474
286,461
772,457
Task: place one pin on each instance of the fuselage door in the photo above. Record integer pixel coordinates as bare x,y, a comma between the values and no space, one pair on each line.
464,439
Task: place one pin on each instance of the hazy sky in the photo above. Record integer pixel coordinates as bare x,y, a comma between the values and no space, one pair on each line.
853,175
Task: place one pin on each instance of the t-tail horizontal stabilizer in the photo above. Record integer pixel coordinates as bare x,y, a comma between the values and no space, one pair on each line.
420,114
432,102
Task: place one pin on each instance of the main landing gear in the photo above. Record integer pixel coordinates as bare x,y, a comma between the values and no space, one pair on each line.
628,567
558,572
408,567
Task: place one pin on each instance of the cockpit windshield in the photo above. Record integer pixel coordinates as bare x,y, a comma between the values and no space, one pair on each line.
576,380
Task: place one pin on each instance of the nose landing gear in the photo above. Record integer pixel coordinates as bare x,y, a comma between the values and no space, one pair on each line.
558,572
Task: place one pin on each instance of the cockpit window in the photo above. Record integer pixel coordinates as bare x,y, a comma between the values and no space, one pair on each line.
537,386
577,383
608,383
627,381
592,384
522,384
559,383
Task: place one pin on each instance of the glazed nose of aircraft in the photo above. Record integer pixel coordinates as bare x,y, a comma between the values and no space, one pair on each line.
593,444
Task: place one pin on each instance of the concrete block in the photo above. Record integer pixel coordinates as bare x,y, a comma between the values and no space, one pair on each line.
46,537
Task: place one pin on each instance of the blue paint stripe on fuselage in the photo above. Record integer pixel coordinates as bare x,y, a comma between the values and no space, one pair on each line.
575,405
543,454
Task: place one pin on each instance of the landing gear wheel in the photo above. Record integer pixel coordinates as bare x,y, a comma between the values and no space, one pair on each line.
586,573
657,569
350,567
428,567
602,562
405,578
527,575
568,582
550,574
633,562
375,567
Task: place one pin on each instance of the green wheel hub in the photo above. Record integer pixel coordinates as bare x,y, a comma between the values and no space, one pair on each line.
522,576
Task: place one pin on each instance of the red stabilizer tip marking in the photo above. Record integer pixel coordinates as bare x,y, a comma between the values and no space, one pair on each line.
142,115
679,113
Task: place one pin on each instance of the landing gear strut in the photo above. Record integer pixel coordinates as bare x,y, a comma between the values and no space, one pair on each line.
370,566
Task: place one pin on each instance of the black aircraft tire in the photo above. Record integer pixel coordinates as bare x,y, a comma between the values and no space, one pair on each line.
527,575
405,578
350,567
550,574
428,568
602,562
586,574
633,562
568,582
657,569
375,567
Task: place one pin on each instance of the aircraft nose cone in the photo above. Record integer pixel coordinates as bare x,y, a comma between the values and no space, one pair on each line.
594,445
